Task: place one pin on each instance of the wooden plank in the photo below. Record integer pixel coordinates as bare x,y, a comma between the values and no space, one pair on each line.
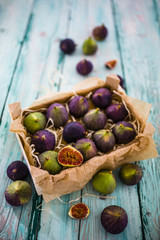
14,17
140,44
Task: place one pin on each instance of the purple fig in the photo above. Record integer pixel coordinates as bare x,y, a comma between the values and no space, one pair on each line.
95,119
17,170
102,98
18,193
73,131
124,132
67,46
43,140
84,67
89,46
78,106
121,81
100,32
35,121
104,140
116,112
130,174
49,162
114,219
87,148
58,113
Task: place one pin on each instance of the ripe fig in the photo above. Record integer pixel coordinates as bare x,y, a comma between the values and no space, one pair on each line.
73,131
18,193
100,32
78,106
35,121
95,119
49,162
67,46
84,67
104,140
43,140
58,113
68,156
79,211
87,148
104,182
114,219
89,46
130,174
102,98
124,132
121,81
116,112
17,170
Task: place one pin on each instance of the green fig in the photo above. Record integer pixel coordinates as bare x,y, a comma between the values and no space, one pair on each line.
89,46
34,122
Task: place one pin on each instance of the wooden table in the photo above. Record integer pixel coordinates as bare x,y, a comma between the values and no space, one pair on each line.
29,61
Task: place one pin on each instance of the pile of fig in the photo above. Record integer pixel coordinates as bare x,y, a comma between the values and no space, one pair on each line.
70,133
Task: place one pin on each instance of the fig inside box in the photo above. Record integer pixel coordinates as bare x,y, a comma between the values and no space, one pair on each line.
106,129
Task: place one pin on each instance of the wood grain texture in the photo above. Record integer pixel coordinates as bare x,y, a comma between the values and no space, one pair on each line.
140,44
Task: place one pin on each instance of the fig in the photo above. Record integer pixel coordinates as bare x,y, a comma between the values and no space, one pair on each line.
95,119
49,162
58,113
87,148
34,122
124,132
84,67
104,182
102,98
114,219
111,64
121,81
78,106
18,193
73,131
79,211
100,32
67,46
17,170
130,174
43,140
89,46
104,140
116,112
68,156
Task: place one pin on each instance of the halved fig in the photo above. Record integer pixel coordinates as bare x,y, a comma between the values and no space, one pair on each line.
68,156
79,211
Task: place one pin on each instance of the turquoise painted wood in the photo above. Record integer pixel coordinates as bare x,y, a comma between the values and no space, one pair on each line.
134,37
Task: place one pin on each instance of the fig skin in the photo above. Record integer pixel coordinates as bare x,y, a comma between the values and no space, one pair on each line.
100,32
114,219
102,98
43,140
104,182
49,162
124,132
130,174
87,148
84,67
18,193
121,81
95,119
104,140
17,170
116,112
78,106
34,122
58,113
68,156
79,211
89,46
67,46
73,131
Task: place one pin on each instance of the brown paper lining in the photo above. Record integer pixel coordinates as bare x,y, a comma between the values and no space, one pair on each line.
70,180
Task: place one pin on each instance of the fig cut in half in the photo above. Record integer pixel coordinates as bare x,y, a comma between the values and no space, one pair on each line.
79,211
68,156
